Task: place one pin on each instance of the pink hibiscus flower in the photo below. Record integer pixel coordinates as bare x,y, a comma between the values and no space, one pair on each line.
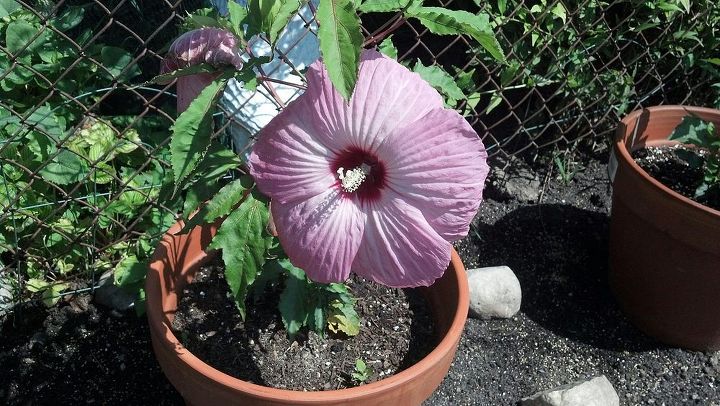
378,186
205,45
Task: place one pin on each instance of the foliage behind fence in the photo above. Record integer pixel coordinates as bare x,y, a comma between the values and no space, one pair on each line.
86,187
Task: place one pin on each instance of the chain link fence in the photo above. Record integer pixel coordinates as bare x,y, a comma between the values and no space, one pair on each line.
86,187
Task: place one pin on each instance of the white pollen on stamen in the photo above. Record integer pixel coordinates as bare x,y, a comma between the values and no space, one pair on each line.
353,178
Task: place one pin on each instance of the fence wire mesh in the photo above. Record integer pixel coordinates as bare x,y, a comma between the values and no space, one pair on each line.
86,186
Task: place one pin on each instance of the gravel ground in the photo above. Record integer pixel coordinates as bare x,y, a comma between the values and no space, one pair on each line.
569,326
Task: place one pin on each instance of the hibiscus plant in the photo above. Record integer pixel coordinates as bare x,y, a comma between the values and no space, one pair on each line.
365,172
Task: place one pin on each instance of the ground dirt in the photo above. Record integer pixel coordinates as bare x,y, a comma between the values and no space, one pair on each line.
569,326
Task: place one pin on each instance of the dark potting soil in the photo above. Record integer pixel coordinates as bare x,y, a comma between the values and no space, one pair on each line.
396,331
670,165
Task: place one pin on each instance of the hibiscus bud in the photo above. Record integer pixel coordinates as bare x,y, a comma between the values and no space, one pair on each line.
209,45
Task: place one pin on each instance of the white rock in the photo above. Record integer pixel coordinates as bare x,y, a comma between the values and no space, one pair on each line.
109,295
7,287
513,176
597,391
494,292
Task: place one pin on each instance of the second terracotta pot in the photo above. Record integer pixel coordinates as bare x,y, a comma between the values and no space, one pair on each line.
664,247
174,263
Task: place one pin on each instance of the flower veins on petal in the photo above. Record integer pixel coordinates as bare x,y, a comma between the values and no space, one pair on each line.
378,185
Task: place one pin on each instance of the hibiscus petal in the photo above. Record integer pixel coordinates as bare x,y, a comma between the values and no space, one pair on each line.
321,235
399,248
438,164
387,96
288,161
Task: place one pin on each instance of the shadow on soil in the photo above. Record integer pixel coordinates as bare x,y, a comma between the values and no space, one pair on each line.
560,254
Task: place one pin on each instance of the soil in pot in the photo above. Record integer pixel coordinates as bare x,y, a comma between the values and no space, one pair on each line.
669,164
396,331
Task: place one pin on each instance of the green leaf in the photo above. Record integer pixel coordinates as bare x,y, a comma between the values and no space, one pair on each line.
559,11
495,100
269,16
116,60
220,205
166,78
20,33
192,130
374,6
340,43
502,6
237,14
284,13
34,285
693,130
388,48
294,309
51,295
65,168
8,7
129,271
440,80
714,61
443,22
69,19
242,241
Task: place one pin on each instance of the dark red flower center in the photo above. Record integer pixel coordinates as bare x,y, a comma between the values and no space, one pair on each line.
359,173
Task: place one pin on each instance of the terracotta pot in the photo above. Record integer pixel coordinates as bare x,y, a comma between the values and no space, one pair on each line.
664,247
174,263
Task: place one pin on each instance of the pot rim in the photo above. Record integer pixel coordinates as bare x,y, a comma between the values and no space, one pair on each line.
166,338
621,151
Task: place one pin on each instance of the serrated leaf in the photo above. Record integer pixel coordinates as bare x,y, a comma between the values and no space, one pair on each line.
166,78
285,11
440,80
65,168
442,21
293,300
340,42
241,239
269,16
192,130
375,6
220,205
237,14
388,48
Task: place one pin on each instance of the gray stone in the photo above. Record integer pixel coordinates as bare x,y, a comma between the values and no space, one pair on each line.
6,292
114,297
597,391
514,177
494,292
